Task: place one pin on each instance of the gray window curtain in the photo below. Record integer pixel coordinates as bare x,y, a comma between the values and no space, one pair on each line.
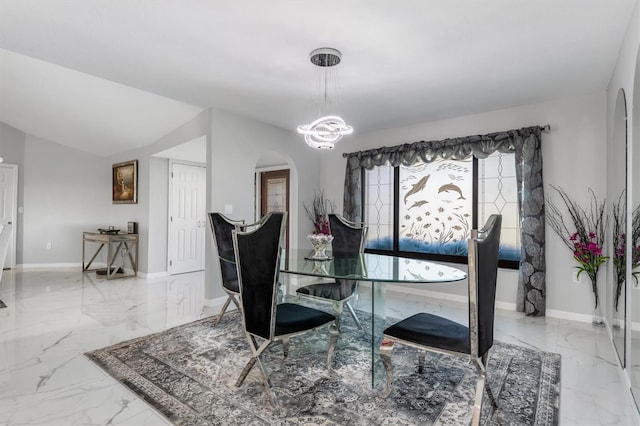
525,144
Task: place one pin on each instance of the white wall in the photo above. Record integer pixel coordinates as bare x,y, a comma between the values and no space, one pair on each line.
150,211
66,192
573,155
158,215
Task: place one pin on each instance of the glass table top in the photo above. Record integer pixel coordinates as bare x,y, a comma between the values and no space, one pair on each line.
366,267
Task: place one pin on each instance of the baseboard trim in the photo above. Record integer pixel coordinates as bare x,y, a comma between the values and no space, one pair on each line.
152,275
573,316
49,266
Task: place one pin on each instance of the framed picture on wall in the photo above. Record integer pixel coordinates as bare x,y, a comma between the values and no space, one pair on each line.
125,183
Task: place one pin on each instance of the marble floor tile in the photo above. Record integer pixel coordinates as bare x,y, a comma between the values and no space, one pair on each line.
55,316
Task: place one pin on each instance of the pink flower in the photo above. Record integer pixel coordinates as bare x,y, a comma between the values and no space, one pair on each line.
574,237
592,235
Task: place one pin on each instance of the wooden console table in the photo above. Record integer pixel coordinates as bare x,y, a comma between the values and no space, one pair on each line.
125,244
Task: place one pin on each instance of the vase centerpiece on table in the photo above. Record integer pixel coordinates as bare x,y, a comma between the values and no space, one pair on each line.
321,236
585,241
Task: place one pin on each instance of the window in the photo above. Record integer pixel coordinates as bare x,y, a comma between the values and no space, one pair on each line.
428,209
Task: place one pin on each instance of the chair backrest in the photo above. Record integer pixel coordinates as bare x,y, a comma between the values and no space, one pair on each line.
258,262
348,237
222,227
5,239
484,248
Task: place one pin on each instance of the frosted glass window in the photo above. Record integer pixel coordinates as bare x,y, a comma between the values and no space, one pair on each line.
277,195
498,194
435,207
378,207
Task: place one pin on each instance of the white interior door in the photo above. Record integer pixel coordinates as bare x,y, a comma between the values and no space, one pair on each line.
8,204
187,213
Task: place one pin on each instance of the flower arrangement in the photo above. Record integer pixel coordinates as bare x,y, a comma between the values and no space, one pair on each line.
318,213
587,240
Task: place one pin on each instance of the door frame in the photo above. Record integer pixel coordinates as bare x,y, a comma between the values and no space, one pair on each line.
258,195
170,204
14,216
258,186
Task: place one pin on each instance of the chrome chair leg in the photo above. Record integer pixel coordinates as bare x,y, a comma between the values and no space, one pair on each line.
285,347
477,404
267,382
482,369
245,371
353,314
481,386
223,310
386,349
235,302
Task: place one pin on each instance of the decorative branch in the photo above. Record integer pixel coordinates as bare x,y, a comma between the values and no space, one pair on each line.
588,239
318,213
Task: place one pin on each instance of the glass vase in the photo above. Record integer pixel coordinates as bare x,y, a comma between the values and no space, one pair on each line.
597,319
320,243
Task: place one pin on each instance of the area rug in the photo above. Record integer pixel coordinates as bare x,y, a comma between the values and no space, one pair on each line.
188,374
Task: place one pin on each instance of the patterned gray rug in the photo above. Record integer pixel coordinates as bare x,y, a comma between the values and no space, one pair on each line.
188,374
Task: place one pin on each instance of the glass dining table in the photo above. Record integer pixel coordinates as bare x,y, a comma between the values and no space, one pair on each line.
376,269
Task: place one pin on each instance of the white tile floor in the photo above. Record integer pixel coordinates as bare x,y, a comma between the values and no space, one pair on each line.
54,316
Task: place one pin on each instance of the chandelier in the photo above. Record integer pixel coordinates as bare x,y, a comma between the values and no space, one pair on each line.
327,130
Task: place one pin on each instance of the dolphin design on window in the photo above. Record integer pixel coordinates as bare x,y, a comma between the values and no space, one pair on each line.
451,187
417,187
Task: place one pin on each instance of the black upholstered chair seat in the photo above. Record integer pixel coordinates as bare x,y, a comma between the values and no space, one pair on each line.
292,318
329,290
433,331
232,286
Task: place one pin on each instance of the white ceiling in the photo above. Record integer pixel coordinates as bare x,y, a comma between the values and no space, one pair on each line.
107,76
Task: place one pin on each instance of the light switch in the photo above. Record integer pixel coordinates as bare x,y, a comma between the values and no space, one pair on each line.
228,209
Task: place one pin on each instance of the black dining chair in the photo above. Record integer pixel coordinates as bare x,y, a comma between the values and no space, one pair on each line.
257,254
348,244
427,332
221,227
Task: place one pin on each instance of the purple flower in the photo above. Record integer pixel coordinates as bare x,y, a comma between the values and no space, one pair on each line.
574,236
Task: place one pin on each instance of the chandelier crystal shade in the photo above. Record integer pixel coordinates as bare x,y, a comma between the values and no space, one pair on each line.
326,131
